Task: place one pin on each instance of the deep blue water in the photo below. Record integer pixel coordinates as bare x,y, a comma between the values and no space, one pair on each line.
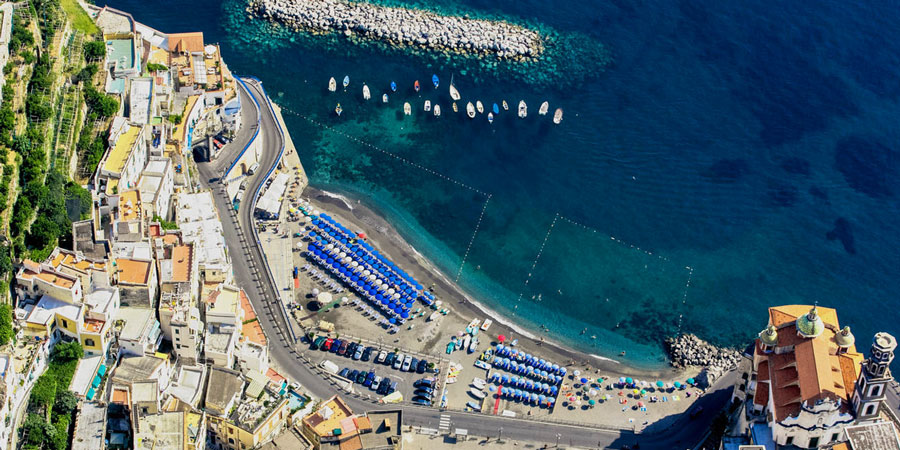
750,148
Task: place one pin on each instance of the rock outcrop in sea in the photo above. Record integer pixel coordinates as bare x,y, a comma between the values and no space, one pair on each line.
404,27
689,350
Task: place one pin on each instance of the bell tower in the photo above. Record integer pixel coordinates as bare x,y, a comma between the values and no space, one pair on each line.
874,377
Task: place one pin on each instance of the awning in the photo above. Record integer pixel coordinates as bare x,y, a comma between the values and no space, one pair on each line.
97,381
102,370
90,394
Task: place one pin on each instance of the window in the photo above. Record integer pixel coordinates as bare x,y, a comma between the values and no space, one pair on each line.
65,323
875,390
835,436
870,410
789,440
813,442
231,441
176,331
89,342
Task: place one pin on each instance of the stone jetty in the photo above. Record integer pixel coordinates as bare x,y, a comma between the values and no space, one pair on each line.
689,350
404,27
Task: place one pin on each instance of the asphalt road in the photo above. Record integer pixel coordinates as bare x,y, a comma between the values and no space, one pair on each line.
249,271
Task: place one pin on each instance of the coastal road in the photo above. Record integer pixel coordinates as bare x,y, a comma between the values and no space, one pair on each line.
250,273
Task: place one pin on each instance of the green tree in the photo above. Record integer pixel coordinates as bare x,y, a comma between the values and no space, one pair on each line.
66,402
6,324
36,430
94,50
66,352
43,394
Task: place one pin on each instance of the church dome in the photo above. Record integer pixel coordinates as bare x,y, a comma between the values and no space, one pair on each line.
810,325
844,338
769,336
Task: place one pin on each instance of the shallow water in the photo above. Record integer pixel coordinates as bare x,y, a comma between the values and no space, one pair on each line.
731,157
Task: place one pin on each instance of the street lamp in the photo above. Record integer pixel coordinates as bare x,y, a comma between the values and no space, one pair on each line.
558,436
500,434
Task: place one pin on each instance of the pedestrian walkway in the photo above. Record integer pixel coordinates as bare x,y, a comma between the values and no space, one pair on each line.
445,422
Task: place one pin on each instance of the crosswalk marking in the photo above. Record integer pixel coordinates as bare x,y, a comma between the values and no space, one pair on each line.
445,422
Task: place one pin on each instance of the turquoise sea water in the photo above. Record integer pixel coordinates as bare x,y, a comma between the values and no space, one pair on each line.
728,158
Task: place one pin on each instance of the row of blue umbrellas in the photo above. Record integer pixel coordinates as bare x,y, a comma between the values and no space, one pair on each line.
394,307
527,359
330,225
526,397
528,371
523,383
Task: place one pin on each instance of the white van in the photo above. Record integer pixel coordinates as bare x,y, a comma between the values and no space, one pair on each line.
253,169
329,367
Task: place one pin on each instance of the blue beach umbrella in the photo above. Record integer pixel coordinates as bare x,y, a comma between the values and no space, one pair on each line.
392,320
584,381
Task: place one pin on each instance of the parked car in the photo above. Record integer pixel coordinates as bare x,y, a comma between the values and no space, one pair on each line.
367,354
376,382
336,345
413,364
406,362
317,343
422,367
345,372
343,349
362,377
427,391
383,387
381,357
352,375
399,361
358,353
424,382
327,345
421,401
351,349
369,379
390,358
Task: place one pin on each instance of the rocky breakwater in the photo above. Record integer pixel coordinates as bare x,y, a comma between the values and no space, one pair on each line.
689,350
404,27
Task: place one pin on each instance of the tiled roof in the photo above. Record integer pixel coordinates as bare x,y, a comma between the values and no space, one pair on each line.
133,271
251,327
181,263
186,42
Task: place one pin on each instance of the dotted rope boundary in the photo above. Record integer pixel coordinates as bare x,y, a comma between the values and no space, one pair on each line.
472,240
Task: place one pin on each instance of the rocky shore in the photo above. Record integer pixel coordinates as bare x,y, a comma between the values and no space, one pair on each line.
689,350
404,27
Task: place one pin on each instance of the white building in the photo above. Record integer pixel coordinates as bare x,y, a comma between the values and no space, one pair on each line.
138,331
123,163
224,318
199,224
141,103
157,185
269,204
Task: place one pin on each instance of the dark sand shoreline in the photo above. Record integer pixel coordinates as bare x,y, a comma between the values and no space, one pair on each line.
461,303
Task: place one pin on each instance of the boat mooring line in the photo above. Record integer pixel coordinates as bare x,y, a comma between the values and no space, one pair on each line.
612,238
472,240
687,286
391,154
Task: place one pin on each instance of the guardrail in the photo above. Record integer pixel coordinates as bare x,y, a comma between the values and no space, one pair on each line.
287,318
252,138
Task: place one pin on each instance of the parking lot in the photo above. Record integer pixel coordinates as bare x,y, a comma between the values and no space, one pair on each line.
359,359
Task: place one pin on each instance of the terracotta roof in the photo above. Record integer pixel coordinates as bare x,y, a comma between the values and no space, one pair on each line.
806,369
351,443
133,271
363,423
251,328
761,397
181,263
275,376
186,42
56,279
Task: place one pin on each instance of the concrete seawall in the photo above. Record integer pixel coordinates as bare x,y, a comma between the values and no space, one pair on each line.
404,27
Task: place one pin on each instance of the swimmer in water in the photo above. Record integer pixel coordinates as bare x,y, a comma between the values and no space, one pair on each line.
584,330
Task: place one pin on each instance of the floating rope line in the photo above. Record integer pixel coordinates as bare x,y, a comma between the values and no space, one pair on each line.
472,240
391,154
612,238
538,257
684,297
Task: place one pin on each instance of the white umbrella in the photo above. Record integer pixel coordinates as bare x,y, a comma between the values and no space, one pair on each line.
592,392
391,291
342,254
315,291
366,272
372,277
576,373
329,246
396,295
343,299
347,259
354,264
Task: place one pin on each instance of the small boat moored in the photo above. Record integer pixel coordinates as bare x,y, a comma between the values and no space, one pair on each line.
416,86
407,109
474,345
427,105
435,81
366,94
455,109
505,106
346,80
433,316
470,110
477,393
557,116
544,108
454,94
486,324
384,98
332,85
437,110
393,87
338,110
490,117
523,110
479,106
496,109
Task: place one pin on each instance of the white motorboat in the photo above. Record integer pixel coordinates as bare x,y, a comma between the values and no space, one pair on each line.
454,94
490,117
557,116
437,110
332,84
455,109
427,105
523,110
480,383
479,106
366,94
505,106
487,324
384,98
477,393
434,316
544,108
470,110
407,109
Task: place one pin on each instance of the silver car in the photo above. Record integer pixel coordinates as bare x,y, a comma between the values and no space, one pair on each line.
399,361
406,362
